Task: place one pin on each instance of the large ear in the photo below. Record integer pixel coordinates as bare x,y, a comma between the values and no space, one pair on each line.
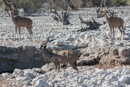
14,10
106,11
10,11
101,11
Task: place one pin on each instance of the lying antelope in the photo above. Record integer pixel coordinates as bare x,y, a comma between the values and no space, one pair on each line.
64,56
21,22
114,22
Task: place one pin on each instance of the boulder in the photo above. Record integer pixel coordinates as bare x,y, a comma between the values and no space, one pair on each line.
59,43
125,79
41,83
124,51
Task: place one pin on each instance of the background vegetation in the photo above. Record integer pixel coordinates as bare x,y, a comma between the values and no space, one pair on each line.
32,6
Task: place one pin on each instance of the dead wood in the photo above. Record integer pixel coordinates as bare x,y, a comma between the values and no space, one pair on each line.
69,3
92,24
55,18
89,23
10,5
63,18
56,13
99,15
86,29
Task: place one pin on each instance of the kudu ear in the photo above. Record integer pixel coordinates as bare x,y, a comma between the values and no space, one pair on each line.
101,11
14,10
106,11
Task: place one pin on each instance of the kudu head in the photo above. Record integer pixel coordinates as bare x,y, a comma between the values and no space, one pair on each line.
13,12
42,46
103,13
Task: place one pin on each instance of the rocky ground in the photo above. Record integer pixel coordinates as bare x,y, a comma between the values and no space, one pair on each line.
95,46
87,76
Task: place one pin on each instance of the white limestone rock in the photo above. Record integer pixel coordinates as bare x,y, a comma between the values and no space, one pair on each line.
39,70
124,51
111,78
6,74
59,85
30,73
125,72
22,78
17,72
52,83
125,79
47,67
41,83
117,84
107,84
99,82
81,79
70,39
42,76
59,43
99,71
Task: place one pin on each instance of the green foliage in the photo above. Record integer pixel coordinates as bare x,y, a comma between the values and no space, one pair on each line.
30,6
119,2
128,2
113,1
122,3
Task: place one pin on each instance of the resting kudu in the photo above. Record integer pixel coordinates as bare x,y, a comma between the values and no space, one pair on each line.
21,22
114,22
64,56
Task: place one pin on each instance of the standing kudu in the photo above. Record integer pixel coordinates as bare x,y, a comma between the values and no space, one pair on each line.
64,56
114,22
21,22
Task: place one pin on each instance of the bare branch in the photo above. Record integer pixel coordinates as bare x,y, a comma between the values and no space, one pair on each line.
69,3
84,22
55,12
7,4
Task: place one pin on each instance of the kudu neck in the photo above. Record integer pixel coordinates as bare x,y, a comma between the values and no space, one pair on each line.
47,54
12,17
107,18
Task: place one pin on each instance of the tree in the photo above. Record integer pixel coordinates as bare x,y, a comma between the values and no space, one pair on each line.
30,6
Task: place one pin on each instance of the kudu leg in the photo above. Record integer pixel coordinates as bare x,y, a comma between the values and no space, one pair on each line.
55,66
58,67
120,31
113,34
74,66
15,32
110,32
30,33
19,33
123,31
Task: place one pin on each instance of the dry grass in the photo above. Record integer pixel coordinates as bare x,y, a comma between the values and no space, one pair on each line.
108,66
10,83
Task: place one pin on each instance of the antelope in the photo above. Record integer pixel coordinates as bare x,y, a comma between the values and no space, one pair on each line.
21,22
64,56
114,22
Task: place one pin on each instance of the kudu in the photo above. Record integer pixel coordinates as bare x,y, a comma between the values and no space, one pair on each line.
64,56
114,22
21,22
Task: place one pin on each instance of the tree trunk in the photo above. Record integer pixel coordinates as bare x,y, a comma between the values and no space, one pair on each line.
63,19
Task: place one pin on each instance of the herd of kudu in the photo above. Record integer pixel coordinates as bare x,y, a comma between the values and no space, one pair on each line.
64,56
